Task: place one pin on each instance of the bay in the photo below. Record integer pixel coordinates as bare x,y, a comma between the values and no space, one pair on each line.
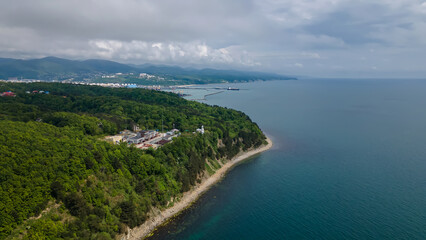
348,162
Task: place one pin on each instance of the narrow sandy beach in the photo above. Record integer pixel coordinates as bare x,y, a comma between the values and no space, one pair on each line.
189,197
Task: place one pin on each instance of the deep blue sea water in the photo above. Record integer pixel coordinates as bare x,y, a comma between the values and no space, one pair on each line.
349,162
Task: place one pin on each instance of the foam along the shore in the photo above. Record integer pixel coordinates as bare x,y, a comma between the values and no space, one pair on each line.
189,197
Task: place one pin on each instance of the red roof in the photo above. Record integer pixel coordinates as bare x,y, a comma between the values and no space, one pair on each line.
163,141
9,94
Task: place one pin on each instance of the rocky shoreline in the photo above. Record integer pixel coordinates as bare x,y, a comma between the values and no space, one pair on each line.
189,197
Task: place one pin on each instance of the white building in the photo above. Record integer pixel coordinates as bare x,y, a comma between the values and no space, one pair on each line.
200,130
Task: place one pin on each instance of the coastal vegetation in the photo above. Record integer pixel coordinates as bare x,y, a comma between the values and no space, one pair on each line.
59,180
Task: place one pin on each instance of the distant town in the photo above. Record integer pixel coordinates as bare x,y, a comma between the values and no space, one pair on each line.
118,83
119,76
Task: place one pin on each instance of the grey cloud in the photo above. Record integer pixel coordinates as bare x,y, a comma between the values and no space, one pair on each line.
129,20
307,37
357,23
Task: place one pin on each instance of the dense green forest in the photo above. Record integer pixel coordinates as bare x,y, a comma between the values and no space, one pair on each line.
59,180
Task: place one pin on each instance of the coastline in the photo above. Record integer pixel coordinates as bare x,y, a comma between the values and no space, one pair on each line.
191,196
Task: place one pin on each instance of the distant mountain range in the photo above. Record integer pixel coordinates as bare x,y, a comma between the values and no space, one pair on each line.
53,68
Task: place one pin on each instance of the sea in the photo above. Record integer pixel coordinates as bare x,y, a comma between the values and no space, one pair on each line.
348,162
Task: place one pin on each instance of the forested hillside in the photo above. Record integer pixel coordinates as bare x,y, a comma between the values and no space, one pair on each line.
59,180
58,68
53,68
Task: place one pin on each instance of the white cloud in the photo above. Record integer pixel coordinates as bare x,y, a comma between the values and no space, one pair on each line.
191,52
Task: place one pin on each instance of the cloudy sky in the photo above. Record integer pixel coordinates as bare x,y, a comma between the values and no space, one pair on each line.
326,38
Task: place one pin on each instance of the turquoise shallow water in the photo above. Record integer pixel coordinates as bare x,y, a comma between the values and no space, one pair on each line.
349,162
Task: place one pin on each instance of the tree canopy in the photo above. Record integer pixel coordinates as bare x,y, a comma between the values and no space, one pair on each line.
53,161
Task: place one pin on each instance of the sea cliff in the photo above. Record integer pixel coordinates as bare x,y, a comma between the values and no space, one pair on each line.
160,217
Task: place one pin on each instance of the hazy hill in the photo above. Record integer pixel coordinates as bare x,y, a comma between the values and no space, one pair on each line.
210,74
50,68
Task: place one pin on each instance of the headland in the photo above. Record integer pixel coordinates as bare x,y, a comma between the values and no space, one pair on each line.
160,217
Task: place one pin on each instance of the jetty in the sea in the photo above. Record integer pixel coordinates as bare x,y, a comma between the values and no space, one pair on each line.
200,88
